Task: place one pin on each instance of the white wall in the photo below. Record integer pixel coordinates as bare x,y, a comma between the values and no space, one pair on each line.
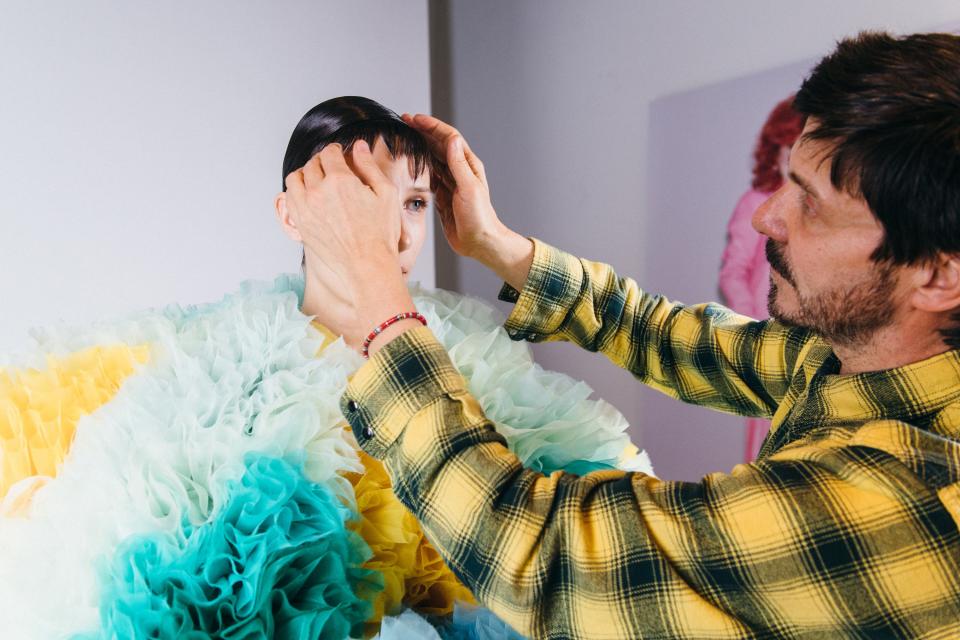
555,98
141,143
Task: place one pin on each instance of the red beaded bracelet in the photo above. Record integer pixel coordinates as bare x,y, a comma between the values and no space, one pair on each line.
397,318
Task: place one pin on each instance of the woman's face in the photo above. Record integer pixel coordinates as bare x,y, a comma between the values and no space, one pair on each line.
413,202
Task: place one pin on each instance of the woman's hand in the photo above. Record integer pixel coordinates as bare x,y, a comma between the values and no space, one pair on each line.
346,212
470,223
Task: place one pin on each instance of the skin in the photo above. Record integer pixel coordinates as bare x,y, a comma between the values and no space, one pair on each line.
413,199
823,237
876,316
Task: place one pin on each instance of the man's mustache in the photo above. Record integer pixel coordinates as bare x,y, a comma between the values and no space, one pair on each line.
778,262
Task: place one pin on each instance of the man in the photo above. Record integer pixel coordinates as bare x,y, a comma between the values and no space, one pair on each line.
847,523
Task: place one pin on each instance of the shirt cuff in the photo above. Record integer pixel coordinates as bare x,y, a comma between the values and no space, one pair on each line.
399,380
552,289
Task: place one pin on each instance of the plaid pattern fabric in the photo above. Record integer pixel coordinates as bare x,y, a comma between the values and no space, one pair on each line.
845,526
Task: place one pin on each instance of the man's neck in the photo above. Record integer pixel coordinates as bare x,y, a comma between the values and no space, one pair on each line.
889,348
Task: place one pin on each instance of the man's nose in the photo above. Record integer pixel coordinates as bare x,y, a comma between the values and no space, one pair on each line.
768,218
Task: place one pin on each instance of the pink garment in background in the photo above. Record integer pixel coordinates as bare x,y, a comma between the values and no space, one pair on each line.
745,283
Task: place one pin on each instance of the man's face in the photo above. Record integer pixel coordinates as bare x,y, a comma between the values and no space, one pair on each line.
819,246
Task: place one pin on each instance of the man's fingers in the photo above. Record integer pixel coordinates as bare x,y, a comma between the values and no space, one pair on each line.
365,168
440,136
475,164
437,132
295,189
332,161
460,168
312,173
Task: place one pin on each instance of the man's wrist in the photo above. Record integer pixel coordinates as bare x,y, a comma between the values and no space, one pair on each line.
509,255
379,304
395,330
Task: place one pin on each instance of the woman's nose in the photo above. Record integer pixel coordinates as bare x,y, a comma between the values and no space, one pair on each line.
768,218
404,237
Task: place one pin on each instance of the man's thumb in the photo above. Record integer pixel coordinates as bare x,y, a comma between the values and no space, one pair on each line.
457,162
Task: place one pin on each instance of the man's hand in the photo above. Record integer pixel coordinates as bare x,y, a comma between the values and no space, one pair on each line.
462,194
347,214
470,223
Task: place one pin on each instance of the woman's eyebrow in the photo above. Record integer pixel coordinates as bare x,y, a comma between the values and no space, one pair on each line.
425,190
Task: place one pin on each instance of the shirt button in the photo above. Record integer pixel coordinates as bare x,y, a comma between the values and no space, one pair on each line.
367,432
351,406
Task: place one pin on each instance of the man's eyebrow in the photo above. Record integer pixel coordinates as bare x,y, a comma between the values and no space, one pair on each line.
806,186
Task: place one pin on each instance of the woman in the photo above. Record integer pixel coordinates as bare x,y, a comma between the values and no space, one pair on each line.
186,472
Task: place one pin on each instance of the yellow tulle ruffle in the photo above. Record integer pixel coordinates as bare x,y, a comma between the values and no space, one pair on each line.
414,573
39,411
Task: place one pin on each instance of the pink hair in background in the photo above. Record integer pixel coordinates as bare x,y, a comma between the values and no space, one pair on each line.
744,273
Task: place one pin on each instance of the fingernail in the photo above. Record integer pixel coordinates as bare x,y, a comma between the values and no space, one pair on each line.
458,144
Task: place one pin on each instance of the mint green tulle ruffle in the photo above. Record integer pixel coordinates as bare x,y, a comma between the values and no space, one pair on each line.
152,479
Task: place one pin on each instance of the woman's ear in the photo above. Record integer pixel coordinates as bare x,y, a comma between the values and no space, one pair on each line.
939,290
286,220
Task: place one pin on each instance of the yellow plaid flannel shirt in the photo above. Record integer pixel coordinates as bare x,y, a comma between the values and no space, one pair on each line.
845,526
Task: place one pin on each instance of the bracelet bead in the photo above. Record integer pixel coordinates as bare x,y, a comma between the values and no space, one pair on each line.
383,325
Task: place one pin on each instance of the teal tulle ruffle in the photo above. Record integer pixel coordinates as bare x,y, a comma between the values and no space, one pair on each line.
278,562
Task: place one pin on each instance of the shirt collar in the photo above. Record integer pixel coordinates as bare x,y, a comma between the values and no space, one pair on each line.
906,393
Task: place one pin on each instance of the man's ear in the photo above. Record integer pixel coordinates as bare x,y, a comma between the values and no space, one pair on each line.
938,287
286,220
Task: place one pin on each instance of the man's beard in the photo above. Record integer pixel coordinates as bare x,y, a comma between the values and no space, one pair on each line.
848,314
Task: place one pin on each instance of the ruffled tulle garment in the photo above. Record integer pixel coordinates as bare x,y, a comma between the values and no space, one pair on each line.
186,473
40,408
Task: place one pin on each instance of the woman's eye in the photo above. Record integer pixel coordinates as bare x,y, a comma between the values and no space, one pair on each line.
417,204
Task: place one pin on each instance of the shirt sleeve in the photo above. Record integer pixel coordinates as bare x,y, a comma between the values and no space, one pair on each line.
703,354
817,540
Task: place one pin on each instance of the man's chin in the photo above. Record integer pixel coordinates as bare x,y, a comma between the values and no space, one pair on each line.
776,310
787,320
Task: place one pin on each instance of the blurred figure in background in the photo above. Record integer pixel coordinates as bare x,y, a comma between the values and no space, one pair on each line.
744,272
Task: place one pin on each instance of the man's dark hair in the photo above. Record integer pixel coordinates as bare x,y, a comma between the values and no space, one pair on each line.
889,107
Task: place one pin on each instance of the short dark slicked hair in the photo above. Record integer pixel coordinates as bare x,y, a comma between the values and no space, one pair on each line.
345,120
889,108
